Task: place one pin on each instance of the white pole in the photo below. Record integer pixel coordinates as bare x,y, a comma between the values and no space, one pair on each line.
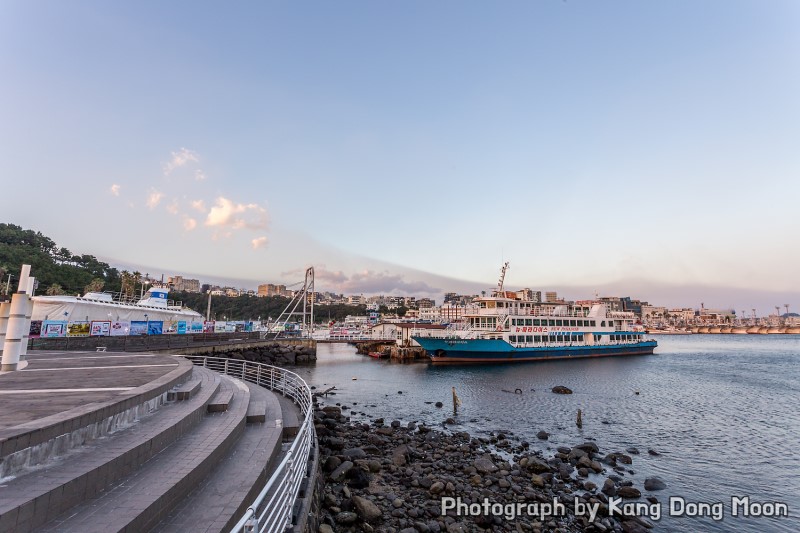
5,308
12,346
28,313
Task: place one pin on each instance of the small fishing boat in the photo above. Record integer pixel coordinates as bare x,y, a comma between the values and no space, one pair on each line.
378,355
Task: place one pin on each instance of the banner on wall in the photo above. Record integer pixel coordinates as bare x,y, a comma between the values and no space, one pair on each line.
182,327
219,327
197,327
100,328
170,327
138,327
155,327
35,329
78,329
120,328
208,326
54,328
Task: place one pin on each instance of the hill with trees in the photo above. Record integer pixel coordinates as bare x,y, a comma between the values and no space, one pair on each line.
59,271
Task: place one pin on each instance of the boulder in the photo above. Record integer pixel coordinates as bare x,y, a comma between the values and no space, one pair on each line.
368,511
560,389
629,492
654,483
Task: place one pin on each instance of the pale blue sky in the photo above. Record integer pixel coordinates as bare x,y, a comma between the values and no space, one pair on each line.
413,146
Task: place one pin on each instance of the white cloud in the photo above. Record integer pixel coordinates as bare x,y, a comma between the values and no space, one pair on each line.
259,242
153,199
189,223
199,205
172,208
115,189
226,213
179,159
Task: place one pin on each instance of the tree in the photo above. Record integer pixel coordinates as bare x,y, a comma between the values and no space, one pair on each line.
54,290
96,285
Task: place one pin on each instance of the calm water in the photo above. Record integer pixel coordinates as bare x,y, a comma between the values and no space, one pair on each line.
723,411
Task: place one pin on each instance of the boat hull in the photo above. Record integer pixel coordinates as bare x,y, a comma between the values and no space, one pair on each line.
459,351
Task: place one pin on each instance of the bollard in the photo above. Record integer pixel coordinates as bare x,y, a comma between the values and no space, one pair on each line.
578,421
5,308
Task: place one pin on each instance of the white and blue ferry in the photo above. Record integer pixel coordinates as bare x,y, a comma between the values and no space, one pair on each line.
503,328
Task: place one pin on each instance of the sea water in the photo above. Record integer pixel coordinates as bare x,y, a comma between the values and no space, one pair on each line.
722,412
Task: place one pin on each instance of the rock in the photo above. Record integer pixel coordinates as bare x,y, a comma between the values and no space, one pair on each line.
325,528
537,480
624,459
560,389
485,465
339,473
536,466
358,478
345,517
629,492
354,453
632,451
395,424
609,489
437,487
653,452
331,463
654,483
588,447
367,510
542,435
439,404
450,421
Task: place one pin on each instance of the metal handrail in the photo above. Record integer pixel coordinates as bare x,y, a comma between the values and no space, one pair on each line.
271,511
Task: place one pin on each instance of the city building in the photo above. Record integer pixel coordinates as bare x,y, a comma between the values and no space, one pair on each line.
179,283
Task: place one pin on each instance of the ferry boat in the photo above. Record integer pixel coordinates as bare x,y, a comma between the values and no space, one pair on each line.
503,329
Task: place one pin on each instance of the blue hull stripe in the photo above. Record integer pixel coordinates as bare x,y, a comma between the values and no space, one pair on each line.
499,351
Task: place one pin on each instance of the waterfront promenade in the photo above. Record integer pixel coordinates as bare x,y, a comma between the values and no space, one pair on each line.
102,441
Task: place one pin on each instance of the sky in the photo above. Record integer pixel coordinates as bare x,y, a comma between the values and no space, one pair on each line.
649,149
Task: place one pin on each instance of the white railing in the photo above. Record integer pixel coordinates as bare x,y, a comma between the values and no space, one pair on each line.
272,509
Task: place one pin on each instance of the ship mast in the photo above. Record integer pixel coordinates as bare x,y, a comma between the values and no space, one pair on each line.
502,279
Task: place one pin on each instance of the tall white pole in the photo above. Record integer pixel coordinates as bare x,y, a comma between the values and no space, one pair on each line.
5,308
28,313
12,347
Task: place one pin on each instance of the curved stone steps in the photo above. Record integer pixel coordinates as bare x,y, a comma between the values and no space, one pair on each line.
141,500
44,493
223,497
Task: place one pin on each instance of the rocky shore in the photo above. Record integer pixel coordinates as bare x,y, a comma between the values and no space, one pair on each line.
275,353
394,478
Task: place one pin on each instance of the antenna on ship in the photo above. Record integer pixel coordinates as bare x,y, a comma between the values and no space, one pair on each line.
502,278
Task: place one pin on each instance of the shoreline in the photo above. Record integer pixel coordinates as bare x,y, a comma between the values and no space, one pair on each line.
392,478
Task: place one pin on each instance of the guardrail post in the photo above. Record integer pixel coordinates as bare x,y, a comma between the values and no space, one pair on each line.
258,375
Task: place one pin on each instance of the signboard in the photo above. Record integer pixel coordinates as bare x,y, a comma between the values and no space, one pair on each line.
36,329
138,327
78,329
170,327
155,327
220,327
208,326
197,327
54,328
181,327
100,328
120,328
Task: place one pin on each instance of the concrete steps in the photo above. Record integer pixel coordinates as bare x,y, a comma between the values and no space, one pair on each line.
223,497
144,498
195,463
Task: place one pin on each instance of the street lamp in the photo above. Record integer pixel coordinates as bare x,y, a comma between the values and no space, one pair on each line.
147,325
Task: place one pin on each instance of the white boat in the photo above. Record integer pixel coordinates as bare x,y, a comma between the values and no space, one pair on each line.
104,306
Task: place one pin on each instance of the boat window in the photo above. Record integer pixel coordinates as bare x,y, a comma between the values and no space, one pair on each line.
559,323
528,338
528,322
535,321
573,323
551,322
603,324
512,338
592,323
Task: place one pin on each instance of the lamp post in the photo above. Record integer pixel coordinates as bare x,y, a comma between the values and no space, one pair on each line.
147,325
